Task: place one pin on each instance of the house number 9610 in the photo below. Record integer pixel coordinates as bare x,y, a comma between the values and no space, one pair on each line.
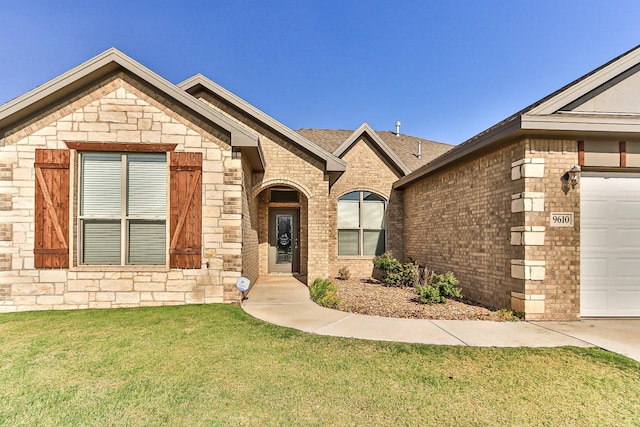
561,219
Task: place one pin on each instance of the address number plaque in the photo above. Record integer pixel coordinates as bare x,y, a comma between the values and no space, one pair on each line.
561,219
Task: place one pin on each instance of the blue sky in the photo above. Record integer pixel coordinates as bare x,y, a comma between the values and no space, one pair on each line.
447,69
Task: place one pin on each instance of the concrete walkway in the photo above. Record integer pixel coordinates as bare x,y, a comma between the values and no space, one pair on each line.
284,301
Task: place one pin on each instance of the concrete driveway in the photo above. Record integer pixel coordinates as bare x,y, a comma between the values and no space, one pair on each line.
284,301
618,335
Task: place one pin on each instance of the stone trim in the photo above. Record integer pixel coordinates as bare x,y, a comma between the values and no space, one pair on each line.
6,202
6,232
527,168
527,269
527,236
527,202
528,304
5,262
6,172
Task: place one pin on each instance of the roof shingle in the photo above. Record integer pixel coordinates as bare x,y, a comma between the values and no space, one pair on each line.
405,146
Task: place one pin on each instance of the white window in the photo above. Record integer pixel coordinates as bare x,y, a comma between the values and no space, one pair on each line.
123,209
361,224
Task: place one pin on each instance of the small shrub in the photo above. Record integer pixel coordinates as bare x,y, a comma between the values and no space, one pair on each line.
394,273
446,284
404,275
428,294
325,293
385,262
438,288
510,315
344,274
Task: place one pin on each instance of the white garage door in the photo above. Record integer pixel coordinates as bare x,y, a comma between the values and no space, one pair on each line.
610,245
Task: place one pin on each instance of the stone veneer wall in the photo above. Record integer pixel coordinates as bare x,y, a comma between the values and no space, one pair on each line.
460,219
117,110
288,165
366,171
561,250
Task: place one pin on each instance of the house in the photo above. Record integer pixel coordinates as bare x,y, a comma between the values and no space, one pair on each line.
502,211
119,189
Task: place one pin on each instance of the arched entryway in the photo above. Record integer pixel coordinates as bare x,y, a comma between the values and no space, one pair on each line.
283,230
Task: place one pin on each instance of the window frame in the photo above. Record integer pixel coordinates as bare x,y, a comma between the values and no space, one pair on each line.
361,229
124,218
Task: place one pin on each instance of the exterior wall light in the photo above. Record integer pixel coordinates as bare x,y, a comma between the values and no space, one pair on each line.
571,178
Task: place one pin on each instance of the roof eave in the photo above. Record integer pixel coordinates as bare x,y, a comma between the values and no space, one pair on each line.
504,131
192,84
585,84
64,84
111,61
578,123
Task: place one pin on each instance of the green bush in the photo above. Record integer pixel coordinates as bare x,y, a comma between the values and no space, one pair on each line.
344,274
385,262
428,294
447,285
438,288
394,273
325,293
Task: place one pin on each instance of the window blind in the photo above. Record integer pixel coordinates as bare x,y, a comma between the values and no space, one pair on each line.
147,185
101,242
147,242
101,184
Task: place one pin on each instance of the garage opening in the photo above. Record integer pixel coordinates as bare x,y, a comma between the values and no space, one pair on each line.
610,245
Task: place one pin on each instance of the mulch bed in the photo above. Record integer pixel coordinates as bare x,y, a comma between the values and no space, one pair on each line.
369,296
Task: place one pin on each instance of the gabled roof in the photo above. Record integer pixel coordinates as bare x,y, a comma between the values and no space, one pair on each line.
201,82
105,64
365,129
405,147
557,113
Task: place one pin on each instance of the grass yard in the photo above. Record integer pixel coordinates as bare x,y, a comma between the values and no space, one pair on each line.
215,365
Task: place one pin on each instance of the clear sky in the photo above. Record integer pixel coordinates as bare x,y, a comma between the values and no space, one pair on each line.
447,69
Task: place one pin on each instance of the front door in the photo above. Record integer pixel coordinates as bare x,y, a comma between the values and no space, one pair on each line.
284,241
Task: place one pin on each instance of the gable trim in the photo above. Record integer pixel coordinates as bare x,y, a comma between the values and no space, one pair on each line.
332,162
572,92
100,66
540,117
364,128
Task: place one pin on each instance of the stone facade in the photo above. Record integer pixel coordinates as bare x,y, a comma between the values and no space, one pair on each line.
118,110
482,211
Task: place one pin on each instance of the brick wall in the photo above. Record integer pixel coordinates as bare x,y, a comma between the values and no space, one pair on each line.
120,110
250,252
366,171
487,220
460,219
561,250
287,165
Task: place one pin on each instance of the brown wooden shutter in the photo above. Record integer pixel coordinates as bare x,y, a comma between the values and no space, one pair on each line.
51,247
186,210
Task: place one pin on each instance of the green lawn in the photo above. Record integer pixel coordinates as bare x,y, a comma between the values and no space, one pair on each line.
215,365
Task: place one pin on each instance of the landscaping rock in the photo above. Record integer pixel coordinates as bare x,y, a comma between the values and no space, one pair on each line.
369,296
